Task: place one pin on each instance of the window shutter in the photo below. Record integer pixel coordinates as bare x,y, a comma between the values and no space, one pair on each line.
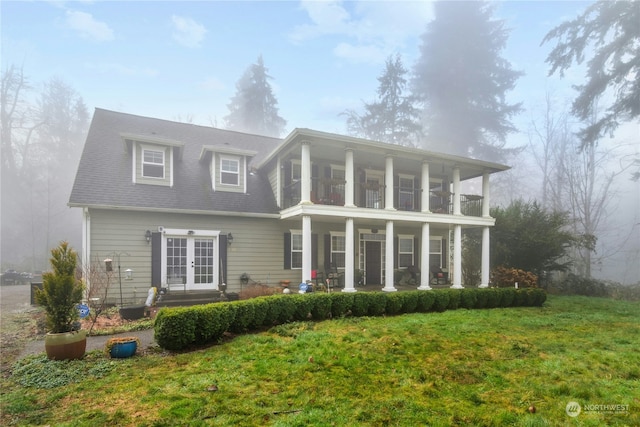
222,248
396,191
327,253
287,251
327,171
395,252
314,251
445,260
156,259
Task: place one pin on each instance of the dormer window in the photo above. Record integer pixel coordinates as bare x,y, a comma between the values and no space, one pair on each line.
229,170
153,163
152,158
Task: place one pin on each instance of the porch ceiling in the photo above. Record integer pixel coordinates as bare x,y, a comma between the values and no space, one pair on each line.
371,155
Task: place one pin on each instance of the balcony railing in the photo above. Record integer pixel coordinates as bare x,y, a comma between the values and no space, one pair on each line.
331,192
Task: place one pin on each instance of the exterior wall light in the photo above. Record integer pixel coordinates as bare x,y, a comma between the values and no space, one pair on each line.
229,239
147,235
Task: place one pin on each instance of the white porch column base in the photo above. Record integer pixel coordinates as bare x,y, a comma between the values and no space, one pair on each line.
388,265
425,271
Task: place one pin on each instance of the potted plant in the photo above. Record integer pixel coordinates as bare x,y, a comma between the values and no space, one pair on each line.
121,347
60,295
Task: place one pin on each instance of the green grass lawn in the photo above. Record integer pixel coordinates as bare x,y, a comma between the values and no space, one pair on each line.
462,367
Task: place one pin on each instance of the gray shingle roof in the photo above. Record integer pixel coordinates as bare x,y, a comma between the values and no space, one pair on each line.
104,174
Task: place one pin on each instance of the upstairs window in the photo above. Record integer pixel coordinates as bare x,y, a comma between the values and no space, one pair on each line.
229,171
153,163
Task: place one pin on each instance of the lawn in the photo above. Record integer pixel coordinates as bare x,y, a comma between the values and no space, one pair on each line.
463,367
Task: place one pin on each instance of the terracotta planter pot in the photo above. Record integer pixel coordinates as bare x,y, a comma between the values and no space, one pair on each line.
66,345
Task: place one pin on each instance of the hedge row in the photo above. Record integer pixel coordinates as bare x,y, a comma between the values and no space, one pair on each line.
180,327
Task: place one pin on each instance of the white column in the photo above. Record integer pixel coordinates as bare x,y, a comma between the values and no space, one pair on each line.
349,252
485,194
279,173
485,267
457,257
306,248
425,269
388,257
425,187
456,190
388,182
305,176
348,177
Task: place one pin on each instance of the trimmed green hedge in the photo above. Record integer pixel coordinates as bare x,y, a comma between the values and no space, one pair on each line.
177,328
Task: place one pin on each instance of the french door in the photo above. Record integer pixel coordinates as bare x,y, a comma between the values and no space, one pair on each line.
191,262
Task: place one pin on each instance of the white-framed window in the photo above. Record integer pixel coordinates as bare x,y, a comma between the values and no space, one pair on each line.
296,249
337,250
405,192
405,251
229,171
153,162
435,253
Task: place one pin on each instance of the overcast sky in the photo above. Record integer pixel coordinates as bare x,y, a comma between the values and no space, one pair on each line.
175,59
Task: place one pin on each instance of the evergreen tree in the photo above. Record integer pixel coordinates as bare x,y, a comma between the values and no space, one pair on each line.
461,81
392,118
529,238
254,108
612,29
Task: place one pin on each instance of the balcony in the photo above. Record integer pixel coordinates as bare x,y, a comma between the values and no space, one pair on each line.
372,196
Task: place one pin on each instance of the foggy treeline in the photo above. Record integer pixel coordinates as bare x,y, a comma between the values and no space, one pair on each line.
43,130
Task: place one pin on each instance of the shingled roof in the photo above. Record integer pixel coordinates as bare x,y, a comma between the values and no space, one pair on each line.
104,174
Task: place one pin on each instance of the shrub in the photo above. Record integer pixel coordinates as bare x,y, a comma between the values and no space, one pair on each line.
506,296
454,299
441,300
286,307
482,298
394,303
341,304
577,285
493,298
504,277
425,301
243,315
409,301
320,305
468,298
260,310
377,303
175,327
213,321
360,306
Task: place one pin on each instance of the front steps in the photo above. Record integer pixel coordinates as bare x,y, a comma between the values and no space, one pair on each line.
188,298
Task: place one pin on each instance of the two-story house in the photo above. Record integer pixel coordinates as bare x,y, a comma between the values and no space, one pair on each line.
187,206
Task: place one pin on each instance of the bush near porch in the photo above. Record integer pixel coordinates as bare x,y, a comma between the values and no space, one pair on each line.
180,327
